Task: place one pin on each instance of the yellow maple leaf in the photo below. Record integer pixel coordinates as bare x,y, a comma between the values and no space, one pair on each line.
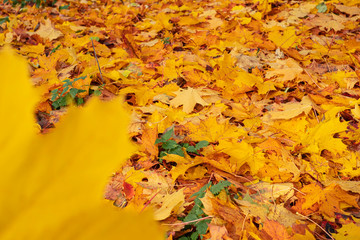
183,164
241,153
47,31
348,231
212,130
284,38
188,98
52,185
321,137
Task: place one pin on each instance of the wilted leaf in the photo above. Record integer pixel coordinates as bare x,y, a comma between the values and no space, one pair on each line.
292,109
170,203
47,31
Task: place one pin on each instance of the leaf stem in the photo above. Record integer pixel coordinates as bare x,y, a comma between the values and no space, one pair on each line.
149,201
316,224
92,42
186,223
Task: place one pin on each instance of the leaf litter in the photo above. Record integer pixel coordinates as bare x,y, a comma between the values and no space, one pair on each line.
258,100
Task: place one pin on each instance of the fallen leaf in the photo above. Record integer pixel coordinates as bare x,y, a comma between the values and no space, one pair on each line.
348,231
47,31
188,98
285,70
148,139
328,199
170,203
292,109
275,230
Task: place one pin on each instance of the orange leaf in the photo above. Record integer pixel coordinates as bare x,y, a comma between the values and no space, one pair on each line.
148,139
275,230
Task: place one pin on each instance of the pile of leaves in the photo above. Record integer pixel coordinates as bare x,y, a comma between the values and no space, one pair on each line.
246,113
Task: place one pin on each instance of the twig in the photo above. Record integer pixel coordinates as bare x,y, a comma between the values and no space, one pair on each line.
186,223
311,78
149,201
298,190
92,42
315,224
316,116
243,224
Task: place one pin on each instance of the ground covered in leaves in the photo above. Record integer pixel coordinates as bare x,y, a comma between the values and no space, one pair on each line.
245,112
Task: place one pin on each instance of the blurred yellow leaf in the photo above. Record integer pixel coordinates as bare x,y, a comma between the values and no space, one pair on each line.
52,185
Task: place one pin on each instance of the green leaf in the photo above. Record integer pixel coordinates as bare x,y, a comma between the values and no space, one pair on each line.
79,101
64,7
55,105
73,92
216,189
159,140
191,149
167,135
64,91
97,92
191,216
54,94
170,144
55,49
202,226
194,236
198,210
4,19
163,154
67,82
184,238
201,144
82,77
166,40
201,192
63,101
177,151
95,38
321,7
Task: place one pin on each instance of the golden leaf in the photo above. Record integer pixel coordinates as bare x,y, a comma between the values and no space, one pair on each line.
47,31
170,203
188,98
